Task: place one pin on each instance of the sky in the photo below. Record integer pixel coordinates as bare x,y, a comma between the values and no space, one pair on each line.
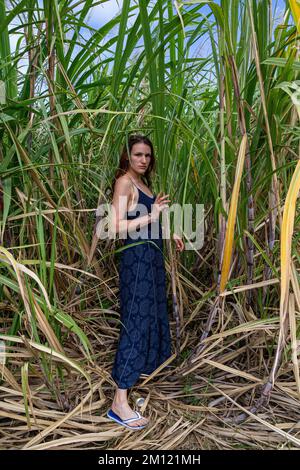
102,13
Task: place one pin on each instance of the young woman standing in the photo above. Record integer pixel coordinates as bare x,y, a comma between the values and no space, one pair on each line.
144,342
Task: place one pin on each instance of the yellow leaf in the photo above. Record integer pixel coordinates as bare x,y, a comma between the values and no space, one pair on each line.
229,238
295,8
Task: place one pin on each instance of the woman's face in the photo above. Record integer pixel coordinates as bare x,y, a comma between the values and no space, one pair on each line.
140,158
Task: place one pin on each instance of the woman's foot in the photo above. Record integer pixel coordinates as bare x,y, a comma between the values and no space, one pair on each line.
123,410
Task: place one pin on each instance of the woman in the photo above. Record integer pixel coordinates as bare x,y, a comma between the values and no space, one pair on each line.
145,341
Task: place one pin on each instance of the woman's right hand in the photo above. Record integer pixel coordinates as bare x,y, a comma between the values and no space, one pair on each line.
159,205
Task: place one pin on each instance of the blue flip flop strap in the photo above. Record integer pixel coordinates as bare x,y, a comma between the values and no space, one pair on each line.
117,418
133,419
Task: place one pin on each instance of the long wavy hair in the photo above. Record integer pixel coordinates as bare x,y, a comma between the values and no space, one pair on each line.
124,160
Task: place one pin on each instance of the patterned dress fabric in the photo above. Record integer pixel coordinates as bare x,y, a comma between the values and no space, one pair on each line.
144,341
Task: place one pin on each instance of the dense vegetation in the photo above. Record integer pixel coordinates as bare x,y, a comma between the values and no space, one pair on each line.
215,85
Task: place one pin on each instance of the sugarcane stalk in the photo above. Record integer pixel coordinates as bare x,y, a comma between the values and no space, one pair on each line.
287,273
250,207
274,195
172,258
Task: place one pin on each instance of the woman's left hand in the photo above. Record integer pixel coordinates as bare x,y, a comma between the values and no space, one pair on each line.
179,242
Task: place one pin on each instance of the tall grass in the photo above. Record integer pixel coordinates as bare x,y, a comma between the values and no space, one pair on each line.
215,86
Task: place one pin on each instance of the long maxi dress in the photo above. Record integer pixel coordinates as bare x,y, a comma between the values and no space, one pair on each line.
145,340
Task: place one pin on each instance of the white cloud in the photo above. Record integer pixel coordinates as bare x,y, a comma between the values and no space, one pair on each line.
101,14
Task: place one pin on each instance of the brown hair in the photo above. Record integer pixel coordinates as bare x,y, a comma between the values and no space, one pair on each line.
124,162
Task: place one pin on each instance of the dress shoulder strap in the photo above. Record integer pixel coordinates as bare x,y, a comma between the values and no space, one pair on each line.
133,182
132,187
139,189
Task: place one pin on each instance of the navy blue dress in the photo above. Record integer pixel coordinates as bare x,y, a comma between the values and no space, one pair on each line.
145,341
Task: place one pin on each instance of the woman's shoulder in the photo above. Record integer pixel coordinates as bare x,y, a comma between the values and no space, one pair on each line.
124,178
123,185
